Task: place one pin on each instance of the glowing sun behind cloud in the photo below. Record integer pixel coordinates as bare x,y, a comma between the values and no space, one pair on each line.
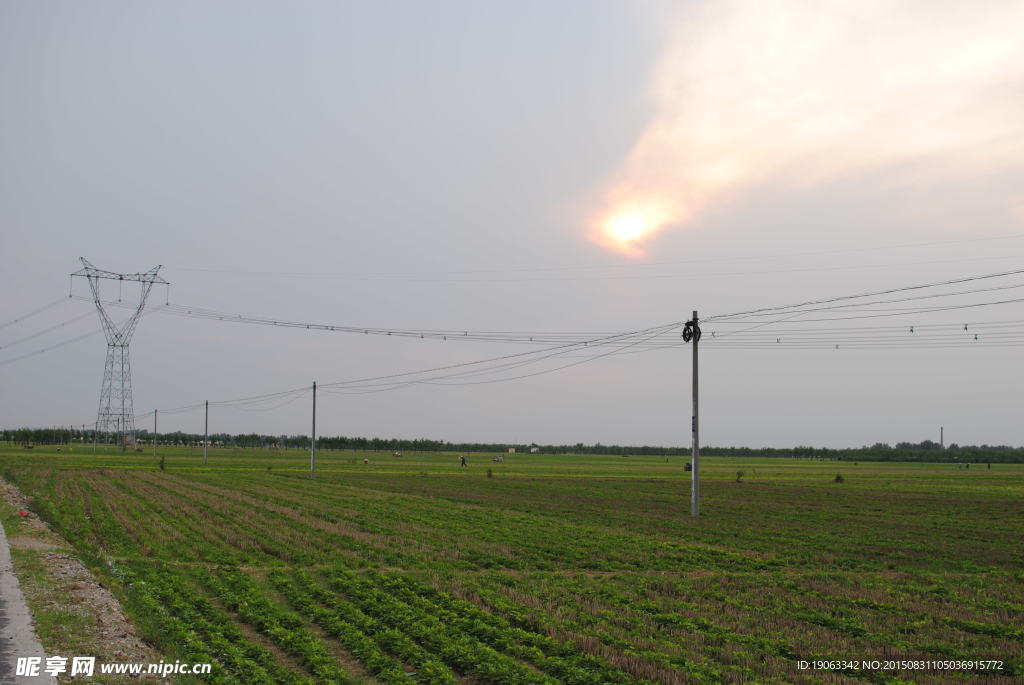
799,92
631,222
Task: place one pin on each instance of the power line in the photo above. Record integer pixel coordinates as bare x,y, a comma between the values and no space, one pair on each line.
550,337
956,293
44,331
558,368
452,370
908,335
873,314
845,345
70,341
32,313
533,337
519,358
677,275
50,348
626,265
972,325
875,293
574,337
381,384
570,345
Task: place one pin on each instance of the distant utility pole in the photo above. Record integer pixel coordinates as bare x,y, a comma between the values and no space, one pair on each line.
942,436
154,432
206,434
691,333
312,441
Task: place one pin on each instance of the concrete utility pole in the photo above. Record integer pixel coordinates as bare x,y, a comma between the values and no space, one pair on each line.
312,447
691,333
942,436
695,489
154,431
206,434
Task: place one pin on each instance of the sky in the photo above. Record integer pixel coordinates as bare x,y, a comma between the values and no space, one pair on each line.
564,171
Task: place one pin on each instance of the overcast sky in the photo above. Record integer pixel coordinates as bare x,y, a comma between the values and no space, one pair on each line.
573,167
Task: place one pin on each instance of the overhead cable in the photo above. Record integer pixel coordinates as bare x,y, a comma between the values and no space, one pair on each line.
32,313
875,293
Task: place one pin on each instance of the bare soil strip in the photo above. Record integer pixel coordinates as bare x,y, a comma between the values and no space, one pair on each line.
56,583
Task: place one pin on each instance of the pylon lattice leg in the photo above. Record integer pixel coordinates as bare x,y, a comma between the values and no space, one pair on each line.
116,415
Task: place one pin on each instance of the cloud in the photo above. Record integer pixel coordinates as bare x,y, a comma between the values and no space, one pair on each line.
799,92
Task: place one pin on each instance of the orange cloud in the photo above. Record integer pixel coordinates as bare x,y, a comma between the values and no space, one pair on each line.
799,92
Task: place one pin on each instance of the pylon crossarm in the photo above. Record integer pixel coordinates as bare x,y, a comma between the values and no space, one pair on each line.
90,271
119,335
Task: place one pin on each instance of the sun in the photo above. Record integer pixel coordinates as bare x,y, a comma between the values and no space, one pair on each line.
626,227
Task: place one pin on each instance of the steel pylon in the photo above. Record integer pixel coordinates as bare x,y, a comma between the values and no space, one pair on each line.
116,415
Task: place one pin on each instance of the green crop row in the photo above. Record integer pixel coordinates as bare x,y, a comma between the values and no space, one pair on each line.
200,632
562,660
367,639
457,649
287,631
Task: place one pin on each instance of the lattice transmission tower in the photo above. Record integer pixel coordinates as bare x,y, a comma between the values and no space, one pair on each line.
116,414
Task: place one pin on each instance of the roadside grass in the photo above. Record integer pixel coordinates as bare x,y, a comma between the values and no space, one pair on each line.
64,628
14,525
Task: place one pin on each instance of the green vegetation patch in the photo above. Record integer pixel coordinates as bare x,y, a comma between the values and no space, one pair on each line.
555,569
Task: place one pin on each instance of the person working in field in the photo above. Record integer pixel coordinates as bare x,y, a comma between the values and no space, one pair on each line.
462,461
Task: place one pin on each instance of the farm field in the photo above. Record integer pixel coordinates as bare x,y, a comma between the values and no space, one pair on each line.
558,569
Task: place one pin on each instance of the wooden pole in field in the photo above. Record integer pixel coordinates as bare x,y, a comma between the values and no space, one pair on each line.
312,441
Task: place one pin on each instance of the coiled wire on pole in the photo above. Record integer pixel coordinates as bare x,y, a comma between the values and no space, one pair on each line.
691,331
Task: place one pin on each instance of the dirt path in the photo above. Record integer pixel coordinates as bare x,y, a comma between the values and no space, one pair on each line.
17,635
57,585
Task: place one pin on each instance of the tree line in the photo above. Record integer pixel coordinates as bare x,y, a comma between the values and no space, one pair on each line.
926,450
